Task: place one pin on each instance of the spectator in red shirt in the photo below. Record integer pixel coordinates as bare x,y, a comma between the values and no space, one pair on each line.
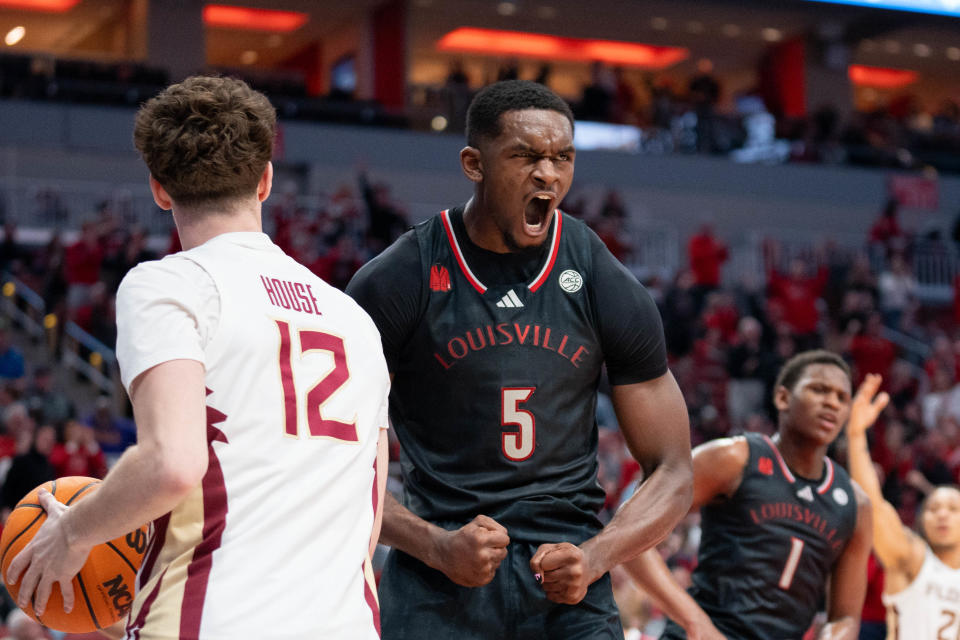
873,622
886,236
797,294
79,454
707,254
82,266
871,352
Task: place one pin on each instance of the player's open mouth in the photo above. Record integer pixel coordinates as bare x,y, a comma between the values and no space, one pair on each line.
536,213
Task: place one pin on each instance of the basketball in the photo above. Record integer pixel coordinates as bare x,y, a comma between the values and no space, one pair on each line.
104,588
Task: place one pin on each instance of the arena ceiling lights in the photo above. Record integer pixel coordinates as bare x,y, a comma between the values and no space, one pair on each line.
231,17
58,6
547,47
881,77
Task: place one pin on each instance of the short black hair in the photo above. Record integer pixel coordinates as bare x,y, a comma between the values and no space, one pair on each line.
483,116
793,370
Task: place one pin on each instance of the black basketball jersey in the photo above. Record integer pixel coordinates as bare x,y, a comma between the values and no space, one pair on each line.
494,393
766,553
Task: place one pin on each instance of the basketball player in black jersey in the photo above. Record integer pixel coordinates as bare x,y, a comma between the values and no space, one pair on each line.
782,525
496,318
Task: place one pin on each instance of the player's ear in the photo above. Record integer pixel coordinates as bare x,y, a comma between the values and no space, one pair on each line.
471,164
160,195
266,182
781,398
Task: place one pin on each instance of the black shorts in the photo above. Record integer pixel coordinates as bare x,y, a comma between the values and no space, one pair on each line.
417,602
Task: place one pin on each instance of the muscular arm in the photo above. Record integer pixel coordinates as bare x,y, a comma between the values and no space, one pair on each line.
898,549
149,480
848,580
653,418
717,470
469,556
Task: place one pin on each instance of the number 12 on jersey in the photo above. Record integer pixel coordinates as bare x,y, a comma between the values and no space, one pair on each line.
320,392
517,445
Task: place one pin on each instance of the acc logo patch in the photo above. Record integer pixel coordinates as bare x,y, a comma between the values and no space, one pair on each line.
840,497
570,281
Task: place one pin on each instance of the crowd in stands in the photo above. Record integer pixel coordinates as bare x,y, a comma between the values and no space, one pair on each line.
726,338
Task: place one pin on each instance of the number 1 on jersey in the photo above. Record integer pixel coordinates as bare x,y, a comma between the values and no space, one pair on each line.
318,395
518,445
786,578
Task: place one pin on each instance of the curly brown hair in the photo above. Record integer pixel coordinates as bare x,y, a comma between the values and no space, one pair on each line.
206,139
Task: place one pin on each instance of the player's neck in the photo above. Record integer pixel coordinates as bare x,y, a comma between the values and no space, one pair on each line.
804,458
949,556
194,230
481,231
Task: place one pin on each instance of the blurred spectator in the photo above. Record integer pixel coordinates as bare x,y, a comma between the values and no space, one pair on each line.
131,252
12,254
113,433
873,622
704,94
79,454
797,293
596,103
898,291
387,220
47,404
885,236
82,266
748,366
29,469
680,314
11,358
870,351
707,254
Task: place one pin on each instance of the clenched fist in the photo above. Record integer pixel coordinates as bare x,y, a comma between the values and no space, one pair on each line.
470,555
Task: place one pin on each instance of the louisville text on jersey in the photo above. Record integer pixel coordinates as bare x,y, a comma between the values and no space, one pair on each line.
796,513
505,334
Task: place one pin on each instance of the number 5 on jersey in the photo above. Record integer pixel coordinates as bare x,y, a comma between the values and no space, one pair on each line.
517,445
318,395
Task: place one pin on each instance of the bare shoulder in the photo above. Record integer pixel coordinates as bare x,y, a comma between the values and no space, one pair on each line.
718,468
733,451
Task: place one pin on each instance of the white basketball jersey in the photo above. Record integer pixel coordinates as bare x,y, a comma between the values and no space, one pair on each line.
929,608
274,542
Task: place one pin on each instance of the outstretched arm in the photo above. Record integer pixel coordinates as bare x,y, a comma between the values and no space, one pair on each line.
897,548
654,422
848,580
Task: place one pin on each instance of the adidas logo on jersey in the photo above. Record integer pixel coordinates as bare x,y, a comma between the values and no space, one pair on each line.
806,493
510,300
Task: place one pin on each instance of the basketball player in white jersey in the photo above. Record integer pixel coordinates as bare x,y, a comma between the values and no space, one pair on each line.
260,396
922,572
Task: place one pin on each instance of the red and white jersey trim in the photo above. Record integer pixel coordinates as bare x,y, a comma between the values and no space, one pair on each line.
828,481
540,278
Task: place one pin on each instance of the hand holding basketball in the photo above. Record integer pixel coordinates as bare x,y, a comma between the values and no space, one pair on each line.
564,571
471,554
48,558
63,587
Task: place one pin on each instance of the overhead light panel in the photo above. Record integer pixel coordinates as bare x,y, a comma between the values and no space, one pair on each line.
543,46
881,77
39,5
231,17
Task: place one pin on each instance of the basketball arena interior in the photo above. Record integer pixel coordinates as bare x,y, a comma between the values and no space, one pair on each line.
779,175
